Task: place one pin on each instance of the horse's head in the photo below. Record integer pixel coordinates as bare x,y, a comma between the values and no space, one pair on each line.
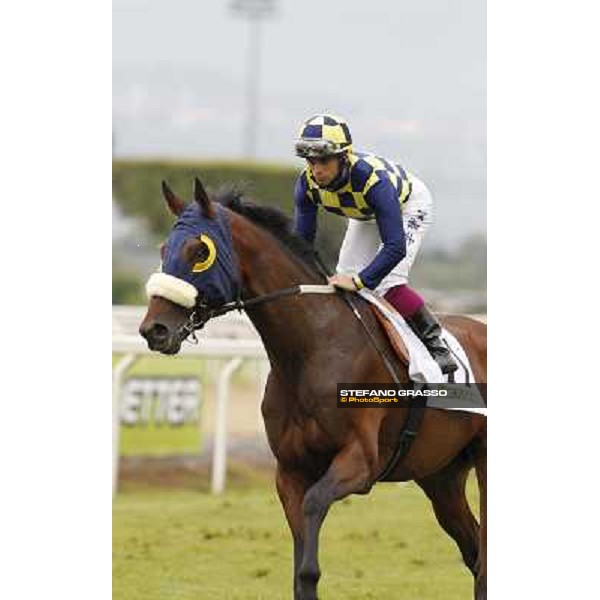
199,271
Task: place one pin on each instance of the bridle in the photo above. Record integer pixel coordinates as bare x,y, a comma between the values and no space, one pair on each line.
203,312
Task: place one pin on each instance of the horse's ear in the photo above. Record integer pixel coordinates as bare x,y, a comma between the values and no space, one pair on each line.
201,197
176,204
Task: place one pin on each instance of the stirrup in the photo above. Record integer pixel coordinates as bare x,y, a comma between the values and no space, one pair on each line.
448,367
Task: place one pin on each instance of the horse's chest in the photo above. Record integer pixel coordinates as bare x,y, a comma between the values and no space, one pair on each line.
298,440
302,427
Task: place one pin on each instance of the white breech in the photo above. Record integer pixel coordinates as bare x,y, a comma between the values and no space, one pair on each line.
362,240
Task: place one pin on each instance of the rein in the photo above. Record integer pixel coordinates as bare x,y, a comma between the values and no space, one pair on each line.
194,323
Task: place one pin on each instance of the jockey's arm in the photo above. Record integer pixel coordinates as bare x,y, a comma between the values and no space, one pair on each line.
305,212
388,214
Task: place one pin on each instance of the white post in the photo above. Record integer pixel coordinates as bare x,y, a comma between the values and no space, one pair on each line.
219,466
118,373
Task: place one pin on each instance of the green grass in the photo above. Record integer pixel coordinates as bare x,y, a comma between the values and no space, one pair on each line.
184,545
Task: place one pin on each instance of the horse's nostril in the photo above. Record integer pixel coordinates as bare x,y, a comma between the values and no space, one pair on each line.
155,333
158,332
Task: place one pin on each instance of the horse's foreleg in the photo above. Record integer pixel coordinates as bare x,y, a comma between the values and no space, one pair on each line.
446,490
348,473
291,488
481,470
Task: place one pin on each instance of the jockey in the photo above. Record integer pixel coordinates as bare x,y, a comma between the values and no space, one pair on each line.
388,212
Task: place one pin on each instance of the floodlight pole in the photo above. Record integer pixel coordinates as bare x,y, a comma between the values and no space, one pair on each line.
255,11
253,74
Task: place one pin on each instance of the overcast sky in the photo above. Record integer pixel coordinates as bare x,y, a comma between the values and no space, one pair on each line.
408,75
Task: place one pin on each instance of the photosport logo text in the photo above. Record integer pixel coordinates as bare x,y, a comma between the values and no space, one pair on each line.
437,395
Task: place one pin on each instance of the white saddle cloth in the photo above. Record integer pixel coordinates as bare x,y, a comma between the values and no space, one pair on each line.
423,368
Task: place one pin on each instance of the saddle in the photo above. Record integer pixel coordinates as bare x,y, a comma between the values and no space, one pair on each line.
392,333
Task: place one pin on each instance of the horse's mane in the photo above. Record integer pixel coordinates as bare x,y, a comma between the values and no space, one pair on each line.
273,220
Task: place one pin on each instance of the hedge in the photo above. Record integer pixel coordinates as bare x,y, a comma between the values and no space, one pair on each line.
136,188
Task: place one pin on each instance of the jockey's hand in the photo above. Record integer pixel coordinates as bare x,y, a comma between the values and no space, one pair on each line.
344,282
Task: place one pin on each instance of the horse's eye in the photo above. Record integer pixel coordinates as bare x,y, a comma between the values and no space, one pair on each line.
203,252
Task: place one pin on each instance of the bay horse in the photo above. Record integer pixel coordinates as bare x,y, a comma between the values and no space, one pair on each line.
225,251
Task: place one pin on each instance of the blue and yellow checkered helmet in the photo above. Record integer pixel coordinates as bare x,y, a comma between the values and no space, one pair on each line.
323,135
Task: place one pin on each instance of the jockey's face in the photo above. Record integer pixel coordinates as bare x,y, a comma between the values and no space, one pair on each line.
324,170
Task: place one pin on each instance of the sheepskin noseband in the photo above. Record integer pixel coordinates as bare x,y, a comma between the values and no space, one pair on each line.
172,288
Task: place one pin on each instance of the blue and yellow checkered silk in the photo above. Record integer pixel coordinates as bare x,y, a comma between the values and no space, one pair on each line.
365,171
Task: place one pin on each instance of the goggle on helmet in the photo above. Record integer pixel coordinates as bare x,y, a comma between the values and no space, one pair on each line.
322,136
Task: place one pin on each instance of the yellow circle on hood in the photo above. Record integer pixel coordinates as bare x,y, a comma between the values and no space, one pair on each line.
210,259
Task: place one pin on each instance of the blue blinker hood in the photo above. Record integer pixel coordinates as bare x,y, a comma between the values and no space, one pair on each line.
220,282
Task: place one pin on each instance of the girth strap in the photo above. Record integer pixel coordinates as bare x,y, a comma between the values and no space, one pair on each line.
416,411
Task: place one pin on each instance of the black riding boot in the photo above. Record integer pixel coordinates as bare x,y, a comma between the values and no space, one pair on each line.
428,330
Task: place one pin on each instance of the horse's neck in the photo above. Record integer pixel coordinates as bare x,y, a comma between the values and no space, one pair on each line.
290,327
